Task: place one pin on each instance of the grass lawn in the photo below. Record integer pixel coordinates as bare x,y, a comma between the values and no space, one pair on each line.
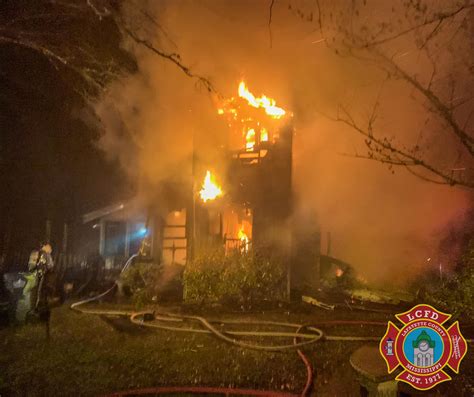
88,355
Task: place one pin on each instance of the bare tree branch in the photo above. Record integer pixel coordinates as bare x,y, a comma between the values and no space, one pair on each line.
366,47
153,21
384,152
438,18
100,13
79,57
443,110
433,32
93,78
172,57
381,160
320,20
272,3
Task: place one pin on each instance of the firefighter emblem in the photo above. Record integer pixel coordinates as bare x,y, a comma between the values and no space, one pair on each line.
423,347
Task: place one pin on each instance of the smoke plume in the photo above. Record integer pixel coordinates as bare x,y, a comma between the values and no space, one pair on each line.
386,222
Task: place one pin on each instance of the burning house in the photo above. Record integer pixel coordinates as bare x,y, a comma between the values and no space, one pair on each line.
253,206
242,203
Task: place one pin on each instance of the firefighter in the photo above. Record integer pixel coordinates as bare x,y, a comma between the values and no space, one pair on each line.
42,265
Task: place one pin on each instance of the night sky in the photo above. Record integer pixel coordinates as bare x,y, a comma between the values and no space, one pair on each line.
51,167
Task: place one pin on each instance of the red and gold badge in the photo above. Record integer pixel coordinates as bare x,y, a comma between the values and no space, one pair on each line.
423,347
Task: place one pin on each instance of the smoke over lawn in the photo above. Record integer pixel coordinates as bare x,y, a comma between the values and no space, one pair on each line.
386,222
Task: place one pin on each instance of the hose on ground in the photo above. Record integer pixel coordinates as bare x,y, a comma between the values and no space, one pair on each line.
149,318
139,319
309,368
228,391
163,320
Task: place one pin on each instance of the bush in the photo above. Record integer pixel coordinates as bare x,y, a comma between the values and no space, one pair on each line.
148,282
456,295
235,279
141,281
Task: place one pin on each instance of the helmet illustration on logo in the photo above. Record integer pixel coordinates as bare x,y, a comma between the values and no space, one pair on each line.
423,347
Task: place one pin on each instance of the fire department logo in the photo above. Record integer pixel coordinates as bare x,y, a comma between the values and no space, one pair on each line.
423,347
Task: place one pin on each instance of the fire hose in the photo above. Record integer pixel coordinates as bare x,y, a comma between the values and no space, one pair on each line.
162,320
170,322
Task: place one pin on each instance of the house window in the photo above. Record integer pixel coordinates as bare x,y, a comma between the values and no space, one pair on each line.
115,232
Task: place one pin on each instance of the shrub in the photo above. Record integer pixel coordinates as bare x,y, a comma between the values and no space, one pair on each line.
456,295
141,281
237,278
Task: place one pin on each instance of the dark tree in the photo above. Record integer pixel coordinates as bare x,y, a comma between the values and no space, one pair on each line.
57,58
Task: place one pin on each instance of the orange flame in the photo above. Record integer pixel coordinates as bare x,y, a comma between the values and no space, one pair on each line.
210,189
241,116
268,104
250,140
244,240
